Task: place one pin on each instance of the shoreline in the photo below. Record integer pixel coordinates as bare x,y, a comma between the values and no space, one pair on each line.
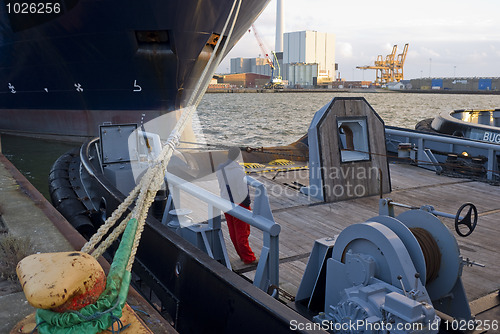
347,90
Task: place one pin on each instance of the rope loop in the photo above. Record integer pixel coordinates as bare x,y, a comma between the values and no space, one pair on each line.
119,323
96,315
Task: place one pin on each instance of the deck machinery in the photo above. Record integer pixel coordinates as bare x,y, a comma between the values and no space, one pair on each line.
389,274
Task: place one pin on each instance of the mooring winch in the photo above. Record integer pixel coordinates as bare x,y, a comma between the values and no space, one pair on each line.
389,274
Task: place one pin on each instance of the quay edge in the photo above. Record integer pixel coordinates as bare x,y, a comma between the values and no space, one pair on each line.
25,212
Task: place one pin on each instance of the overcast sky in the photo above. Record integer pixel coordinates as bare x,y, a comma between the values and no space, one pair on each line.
447,37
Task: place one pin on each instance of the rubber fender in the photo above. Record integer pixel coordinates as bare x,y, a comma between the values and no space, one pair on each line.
60,194
64,198
71,207
56,174
76,214
60,183
83,225
62,163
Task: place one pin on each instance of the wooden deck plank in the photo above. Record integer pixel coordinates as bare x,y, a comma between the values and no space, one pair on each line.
415,186
283,196
303,221
404,176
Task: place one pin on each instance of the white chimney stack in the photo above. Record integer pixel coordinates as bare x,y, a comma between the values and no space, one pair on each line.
280,26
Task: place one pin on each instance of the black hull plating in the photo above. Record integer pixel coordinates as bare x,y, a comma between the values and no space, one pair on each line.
107,61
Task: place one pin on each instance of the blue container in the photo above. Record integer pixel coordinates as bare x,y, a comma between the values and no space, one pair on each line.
484,84
437,83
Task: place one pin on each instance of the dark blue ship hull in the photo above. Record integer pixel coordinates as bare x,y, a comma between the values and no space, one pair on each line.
63,74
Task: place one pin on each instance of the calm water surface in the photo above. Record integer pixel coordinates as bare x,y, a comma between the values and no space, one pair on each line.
259,120
34,158
278,119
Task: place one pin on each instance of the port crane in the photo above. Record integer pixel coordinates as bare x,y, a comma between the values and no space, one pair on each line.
389,69
276,82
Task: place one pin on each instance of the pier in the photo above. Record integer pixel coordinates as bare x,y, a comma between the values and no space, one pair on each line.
25,213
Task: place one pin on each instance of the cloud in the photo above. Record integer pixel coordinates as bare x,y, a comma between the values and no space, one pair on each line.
457,36
344,50
477,56
429,53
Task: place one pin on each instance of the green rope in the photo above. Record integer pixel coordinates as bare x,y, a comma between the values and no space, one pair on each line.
107,309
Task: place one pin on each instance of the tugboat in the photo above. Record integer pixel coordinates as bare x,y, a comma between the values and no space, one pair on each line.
403,271
482,125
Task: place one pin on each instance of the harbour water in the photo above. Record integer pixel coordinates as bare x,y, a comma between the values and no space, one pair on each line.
34,158
258,120
282,118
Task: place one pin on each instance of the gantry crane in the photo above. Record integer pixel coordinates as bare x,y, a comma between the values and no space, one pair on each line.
276,82
390,69
398,64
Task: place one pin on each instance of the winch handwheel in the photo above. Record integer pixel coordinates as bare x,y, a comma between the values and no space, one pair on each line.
470,219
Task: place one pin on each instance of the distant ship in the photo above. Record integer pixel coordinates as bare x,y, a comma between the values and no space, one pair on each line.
68,66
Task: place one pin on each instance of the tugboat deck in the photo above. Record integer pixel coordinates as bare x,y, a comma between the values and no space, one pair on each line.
303,221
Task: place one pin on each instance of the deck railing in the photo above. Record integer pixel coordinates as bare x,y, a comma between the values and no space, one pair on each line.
445,144
267,272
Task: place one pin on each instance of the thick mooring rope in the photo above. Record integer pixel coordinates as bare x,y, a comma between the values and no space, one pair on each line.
153,179
430,249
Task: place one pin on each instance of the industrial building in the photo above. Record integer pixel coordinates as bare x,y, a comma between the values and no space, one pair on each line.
302,58
456,84
341,84
248,80
250,65
308,59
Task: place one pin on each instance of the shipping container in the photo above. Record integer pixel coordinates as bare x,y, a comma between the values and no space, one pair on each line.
484,84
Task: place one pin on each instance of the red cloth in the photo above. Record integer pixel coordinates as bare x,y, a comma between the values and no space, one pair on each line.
239,232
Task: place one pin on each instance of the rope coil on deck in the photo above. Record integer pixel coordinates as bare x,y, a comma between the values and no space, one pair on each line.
430,249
